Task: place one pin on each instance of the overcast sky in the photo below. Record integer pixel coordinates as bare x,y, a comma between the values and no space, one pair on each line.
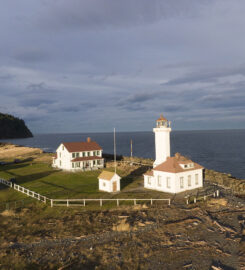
92,65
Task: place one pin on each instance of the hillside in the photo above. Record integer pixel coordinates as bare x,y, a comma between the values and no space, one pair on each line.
12,127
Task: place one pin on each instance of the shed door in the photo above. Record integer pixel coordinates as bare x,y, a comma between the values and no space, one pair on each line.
114,186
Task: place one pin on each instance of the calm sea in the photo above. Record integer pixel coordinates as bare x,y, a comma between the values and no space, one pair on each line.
221,150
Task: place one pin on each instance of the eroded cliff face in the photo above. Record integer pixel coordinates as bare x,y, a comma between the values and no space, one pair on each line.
12,127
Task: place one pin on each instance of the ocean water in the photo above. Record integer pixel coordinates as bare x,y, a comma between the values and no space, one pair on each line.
221,150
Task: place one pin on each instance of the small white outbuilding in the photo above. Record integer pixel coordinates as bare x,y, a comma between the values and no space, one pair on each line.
109,181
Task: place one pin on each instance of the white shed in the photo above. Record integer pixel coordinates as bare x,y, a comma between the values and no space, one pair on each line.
109,181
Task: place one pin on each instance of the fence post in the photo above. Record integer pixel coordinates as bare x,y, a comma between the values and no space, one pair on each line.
44,199
67,203
100,202
204,197
151,201
217,193
187,201
51,202
84,202
169,202
214,194
195,200
134,201
117,202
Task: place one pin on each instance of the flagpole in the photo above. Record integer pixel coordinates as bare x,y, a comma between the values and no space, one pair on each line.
115,162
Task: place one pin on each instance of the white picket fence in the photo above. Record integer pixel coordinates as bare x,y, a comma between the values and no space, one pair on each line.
71,202
204,197
31,193
6,183
82,202
26,191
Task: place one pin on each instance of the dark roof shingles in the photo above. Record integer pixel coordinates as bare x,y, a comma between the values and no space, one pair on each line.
81,146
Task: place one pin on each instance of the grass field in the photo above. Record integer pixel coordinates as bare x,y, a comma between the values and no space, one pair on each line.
43,179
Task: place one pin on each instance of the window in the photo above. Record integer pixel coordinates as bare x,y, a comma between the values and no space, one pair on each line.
98,162
83,154
168,182
189,180
98,153
73,155
181,182
72,164
159,180
77,154
88,154
94,153
94,162
60,155
196,179
77,164
149,180
104,184
60,163
185,166
62,147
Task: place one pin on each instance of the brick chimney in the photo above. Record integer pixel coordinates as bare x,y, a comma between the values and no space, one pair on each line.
88,139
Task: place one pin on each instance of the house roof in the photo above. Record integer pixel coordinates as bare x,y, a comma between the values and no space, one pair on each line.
82,146
173,164
106,175
86,158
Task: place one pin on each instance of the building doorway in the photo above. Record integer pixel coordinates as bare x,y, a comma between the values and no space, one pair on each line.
114,184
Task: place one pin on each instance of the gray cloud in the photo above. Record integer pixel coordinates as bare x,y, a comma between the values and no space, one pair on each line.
101,62
32,56
109,13
210,76
37,95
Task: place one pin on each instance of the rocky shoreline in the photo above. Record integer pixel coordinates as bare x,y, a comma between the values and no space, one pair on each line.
226,181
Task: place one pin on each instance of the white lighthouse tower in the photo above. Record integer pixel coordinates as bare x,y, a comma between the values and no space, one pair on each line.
162,140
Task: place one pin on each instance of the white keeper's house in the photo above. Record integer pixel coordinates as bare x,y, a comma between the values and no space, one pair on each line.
74,156
171,174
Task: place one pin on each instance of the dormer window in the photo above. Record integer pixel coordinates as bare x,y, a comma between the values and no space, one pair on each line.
187,166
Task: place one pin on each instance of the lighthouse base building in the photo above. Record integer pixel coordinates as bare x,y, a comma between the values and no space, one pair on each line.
176,174
171,174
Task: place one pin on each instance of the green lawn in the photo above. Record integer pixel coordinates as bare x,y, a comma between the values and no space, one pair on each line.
43,179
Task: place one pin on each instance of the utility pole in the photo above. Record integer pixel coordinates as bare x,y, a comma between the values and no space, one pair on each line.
131,148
